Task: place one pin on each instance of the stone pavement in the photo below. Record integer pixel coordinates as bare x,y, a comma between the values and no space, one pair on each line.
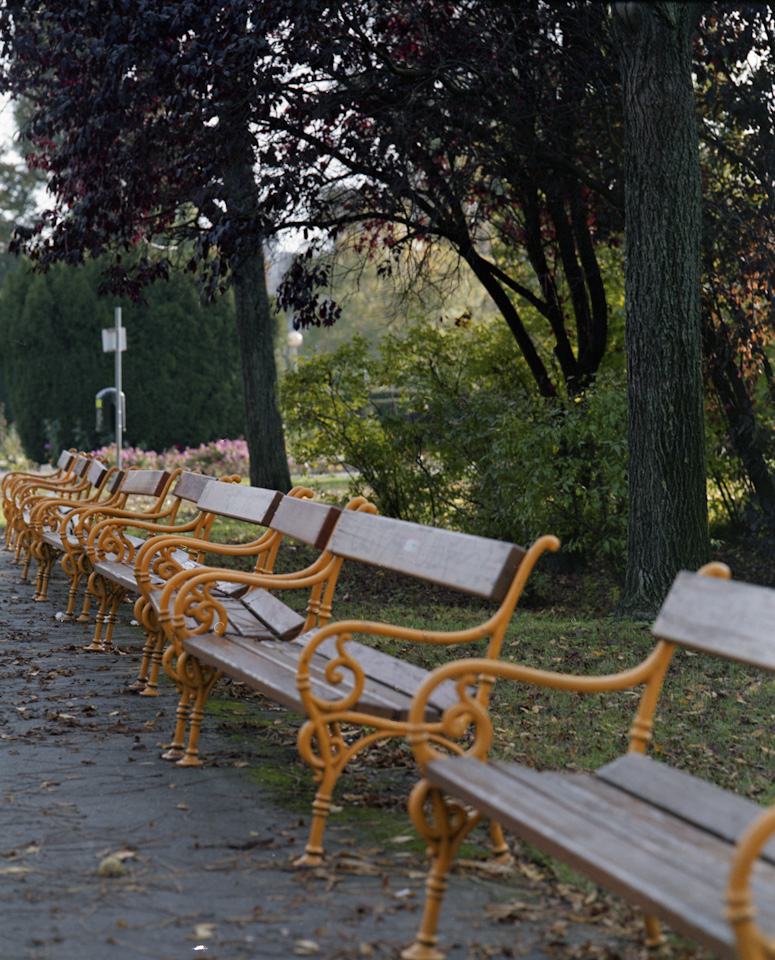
108,852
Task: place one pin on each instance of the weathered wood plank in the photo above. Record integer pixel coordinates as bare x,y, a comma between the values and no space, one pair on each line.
190,486
668,867
705,805
476,565
149,483
272,613
306,520
270,666
239,502
726,618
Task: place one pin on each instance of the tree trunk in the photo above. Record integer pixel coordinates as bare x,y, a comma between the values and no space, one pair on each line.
668,525
263,424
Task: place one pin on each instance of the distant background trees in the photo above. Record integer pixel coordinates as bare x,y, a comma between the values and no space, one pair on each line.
181,371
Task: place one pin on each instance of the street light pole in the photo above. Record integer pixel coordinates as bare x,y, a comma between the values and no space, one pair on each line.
119,394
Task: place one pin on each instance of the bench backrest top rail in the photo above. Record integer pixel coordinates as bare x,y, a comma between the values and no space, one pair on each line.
475,565
82,464
149,483
190,486
240,502
309,521
726,618
96,473
66,457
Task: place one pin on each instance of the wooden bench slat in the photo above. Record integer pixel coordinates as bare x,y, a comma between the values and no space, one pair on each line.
476,565
626,846
190,486
251,504
307,520
270,667
726,618
149,483
274,614
705,805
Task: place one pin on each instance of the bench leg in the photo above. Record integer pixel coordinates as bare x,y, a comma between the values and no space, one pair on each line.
38,581
443,825
84,565
74,575
200,679
147,680
654,935
500,849
177,748
97,588
322,746
24,548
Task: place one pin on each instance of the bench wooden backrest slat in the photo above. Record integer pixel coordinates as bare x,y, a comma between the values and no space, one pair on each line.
66,458
725,618
475,565
148,483
306,520
190,485
82,465
252,504
96,473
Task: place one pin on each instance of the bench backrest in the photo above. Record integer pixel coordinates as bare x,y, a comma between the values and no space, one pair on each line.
97,473
145,483
65,461
190,486
309,521
81,466
726,618
474,565
240,502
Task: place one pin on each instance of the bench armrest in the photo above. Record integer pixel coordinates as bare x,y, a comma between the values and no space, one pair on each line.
156,556
741,910
473,675
109,535
189,594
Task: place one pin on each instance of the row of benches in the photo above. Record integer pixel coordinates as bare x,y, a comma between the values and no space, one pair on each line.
685,851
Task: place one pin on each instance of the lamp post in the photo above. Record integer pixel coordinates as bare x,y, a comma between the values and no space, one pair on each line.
294,341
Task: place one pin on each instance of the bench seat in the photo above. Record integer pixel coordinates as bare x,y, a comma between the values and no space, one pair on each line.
690,853
642,848
270,666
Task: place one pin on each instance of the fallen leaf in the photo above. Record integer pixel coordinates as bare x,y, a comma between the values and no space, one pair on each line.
111,867
306,948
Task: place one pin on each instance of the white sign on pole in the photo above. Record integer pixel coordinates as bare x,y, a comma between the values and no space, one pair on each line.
109,339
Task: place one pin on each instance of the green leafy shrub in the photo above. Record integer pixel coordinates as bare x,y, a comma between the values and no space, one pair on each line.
442,427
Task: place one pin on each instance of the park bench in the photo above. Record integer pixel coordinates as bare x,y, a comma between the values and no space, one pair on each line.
341,685
687,852
14,480
103,487
248,611
73,489
122,563
141,494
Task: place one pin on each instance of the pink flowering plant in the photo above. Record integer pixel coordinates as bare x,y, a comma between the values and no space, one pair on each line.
218,458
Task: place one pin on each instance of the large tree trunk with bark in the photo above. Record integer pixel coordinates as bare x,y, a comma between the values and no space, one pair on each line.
263,424
668,526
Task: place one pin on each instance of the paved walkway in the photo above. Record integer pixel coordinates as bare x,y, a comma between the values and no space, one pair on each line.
202,857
